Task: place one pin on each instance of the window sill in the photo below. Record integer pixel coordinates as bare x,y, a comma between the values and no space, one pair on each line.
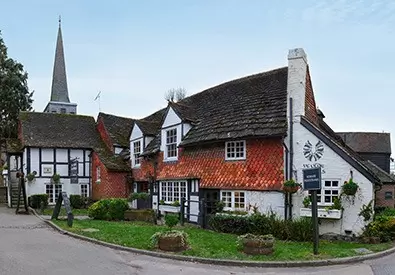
136,166
170,159
235,159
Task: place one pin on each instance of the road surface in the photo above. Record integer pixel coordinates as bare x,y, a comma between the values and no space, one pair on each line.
29,246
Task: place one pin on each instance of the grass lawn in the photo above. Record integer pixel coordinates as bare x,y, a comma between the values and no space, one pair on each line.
209,244
76,212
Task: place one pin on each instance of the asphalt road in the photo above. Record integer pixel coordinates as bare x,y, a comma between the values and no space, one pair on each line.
29,246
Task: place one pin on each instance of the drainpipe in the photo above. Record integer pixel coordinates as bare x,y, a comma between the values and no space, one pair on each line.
291,150
286,178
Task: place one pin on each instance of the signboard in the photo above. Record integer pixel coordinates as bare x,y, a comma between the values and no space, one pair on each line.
65,199
312,179
74,171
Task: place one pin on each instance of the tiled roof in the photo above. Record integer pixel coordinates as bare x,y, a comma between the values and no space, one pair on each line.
58,130
364,142
380,173
118,128
53,130
150,125
252,106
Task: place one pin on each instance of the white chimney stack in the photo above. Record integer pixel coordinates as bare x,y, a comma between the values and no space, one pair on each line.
296,89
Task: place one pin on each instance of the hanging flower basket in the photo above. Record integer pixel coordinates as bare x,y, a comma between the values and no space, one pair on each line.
350,188
290,186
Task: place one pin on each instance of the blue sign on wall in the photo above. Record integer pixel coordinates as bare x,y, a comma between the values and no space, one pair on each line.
312,179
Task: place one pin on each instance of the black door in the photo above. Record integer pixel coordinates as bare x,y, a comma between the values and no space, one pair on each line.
143,187
211,197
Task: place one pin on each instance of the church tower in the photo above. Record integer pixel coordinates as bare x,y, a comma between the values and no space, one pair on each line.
60,101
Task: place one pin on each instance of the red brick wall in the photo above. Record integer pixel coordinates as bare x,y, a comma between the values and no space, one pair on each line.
104,134
263,169
310,106
380,196
112,184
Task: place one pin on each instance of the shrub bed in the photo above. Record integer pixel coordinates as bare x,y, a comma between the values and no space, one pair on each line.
260,224
142,215
36,200
76,201
108,209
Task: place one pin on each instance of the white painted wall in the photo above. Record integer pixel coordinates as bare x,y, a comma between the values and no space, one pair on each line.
186,128
147,140
136,132
266,201
38,186
333,167
171,118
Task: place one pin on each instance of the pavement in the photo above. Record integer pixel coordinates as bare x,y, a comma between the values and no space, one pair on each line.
29,246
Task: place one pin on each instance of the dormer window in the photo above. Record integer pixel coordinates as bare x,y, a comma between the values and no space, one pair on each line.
136,153
171,144
235,150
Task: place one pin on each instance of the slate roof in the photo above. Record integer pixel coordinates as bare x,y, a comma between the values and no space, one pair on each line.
119,128
365,142
381,174
51,130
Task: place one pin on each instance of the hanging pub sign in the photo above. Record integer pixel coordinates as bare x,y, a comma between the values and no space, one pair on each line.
74,171
312,179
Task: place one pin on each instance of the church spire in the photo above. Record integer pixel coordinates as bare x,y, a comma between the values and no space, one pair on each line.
59,91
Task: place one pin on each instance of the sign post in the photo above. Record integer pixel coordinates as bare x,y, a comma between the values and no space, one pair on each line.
74,170
312,182
63,197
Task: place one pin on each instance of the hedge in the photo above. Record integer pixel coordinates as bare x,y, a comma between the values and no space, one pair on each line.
36,200
108,209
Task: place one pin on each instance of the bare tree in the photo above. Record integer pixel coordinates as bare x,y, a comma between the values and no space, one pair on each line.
176,94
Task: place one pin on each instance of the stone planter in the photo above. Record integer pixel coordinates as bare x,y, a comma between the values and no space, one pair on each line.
258,247
171,243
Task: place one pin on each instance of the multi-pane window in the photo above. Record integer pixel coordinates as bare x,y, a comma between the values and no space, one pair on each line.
136,152
53,190
235,150
330,190
171,191
84,190
233,200
171,143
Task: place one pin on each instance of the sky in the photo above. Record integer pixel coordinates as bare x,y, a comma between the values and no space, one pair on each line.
135,51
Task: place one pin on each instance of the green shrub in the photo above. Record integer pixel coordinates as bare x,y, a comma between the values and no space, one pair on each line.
234,224
108,209
36,200
382,227
387,212
171,220
260,224
76,201
139,196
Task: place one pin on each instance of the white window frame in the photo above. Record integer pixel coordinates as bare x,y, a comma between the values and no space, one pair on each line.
55,189
321,193
175,143
234,144
136,162
98,174
87,190
233,199
171,191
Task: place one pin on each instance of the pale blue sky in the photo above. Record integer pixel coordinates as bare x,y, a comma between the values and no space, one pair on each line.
134,51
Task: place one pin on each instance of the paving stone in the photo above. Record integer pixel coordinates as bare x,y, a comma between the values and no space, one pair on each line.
363,251
90,230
